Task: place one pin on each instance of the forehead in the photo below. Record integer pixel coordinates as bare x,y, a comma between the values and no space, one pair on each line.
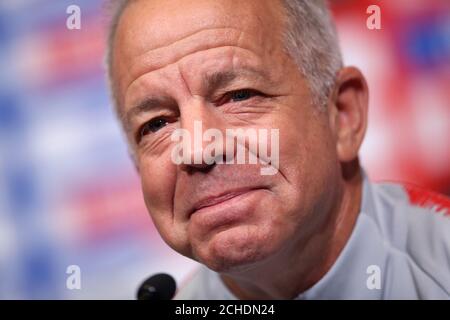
161,31
149,24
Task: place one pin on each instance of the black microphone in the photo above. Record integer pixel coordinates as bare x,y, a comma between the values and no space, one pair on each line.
160,286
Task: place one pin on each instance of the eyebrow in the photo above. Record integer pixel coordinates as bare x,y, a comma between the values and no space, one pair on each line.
148,104
211,81
215,80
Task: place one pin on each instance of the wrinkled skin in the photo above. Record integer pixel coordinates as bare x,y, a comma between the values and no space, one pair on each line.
172,52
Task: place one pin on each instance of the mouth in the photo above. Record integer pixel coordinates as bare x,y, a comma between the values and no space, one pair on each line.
221,198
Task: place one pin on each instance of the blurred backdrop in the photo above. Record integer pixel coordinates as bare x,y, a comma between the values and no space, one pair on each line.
69,194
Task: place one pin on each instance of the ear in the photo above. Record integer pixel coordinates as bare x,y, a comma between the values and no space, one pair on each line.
348,112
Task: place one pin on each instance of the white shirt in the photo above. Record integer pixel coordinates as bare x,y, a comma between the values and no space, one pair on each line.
397,250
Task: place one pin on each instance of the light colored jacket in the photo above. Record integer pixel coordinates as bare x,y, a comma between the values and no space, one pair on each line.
398,249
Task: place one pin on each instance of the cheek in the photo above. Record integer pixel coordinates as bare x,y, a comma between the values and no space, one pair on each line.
308,153
158,180
158,184
307,160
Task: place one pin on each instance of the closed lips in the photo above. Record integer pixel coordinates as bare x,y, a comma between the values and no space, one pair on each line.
211,201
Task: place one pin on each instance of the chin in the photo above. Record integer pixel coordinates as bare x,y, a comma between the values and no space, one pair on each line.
236,250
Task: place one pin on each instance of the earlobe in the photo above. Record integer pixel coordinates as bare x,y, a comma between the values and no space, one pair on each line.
350,108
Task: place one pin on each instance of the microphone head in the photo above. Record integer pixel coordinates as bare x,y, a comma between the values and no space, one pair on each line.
160,286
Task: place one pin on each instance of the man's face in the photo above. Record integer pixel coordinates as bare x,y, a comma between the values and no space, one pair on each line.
222,63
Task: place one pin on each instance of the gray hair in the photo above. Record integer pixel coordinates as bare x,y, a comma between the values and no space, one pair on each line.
310,40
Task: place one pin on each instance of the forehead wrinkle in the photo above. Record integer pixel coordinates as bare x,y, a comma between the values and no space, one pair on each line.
185,37
160,57
135,81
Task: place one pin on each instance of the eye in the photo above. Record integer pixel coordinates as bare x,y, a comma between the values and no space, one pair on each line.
241,95
238,96
152,126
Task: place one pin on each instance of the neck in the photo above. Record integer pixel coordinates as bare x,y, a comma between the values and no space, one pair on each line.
308,259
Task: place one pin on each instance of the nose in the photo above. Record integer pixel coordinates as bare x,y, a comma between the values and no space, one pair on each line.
197,117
